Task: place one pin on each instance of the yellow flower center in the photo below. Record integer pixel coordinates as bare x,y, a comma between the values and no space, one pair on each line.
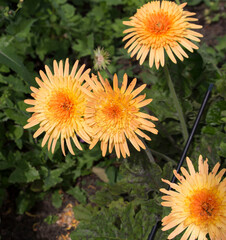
158,23
160,29
204,206
61,106
114,112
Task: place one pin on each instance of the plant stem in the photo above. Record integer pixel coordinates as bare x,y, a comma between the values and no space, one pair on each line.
177,2
164,131
108,73
176,102
164,156
148,152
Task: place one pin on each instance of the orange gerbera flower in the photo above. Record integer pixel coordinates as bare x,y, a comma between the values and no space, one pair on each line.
114,115
198,204
157,26
59,106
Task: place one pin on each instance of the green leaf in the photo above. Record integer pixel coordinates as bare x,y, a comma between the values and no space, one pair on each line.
26,200
111,174
121,220
5,163
21,28
36,186
68,11
114,2
10,59
84,46
4,69
46,45
14,83
52,179
214,114
88,157
51,219
17,176
57,199
15,132
221,85
221,41
209,130
23,203
24,173
60,1
78,194
18,117
31,174
222,151
83,213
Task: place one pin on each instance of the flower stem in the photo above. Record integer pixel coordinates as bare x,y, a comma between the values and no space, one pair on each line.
177,2
108,73
177,104
148,152
164,156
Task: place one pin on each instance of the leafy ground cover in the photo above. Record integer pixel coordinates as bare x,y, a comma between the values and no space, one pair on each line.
123,201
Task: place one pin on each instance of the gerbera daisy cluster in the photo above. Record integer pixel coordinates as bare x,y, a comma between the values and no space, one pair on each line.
70,105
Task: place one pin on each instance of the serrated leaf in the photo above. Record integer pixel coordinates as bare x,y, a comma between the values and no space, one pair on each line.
52,179
222,151
23,204
88,157
19,118
83,213
26,200
84,46
122,220
78,194
57,199
214,114
5,164
209,130
14,83
31,174
24,173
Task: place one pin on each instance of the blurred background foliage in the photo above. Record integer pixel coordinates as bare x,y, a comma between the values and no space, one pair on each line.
34,33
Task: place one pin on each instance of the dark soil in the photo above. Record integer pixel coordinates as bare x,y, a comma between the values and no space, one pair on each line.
211,31
24,227
31,225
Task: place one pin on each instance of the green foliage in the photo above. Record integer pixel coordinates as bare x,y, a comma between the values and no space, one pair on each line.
57,199
120,220
51,219
78,194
